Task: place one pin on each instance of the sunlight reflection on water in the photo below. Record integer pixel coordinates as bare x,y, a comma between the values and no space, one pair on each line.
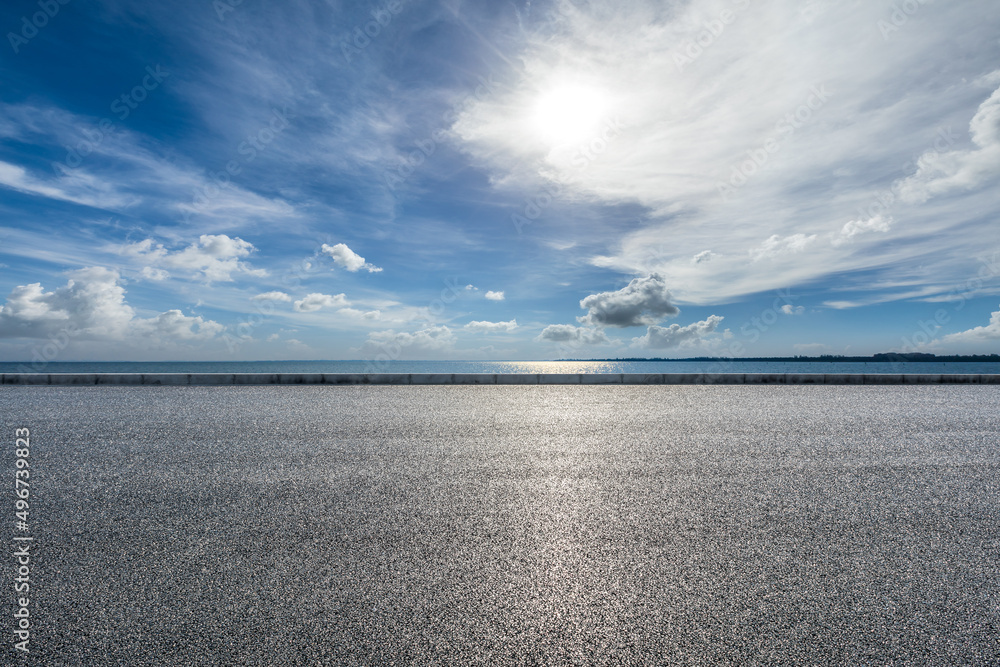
559,367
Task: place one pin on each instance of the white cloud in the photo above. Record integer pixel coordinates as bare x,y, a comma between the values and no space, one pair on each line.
789,309
703,256
658,338
643,301
852,228
174,325
397,344
92,305
567,333
348,259
121,169
989,333
491,327
776,245
315,301
92,301
149,273
212,258
361,314
271,296
297,345
823,146
72,186
494,296
941,172
273,337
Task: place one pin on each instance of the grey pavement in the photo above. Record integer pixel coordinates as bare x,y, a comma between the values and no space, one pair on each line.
701,525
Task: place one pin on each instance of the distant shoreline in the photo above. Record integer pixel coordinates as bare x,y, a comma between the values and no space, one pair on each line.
886,357
248,379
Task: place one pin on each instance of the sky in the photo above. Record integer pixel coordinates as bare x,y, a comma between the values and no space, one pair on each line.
250,180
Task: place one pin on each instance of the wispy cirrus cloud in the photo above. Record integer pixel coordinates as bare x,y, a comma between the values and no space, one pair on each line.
809,161
77,188
791,145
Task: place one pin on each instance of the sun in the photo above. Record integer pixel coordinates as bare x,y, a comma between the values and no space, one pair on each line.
569,113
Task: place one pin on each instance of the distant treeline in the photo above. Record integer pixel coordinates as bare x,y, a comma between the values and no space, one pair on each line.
882,356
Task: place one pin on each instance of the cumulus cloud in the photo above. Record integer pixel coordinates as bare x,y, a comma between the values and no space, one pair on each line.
271,296
943,172
402,343
92,305
494,296
174,325
643,301
348,259
703,256
789,309
316,300
989,333
91,301
213,258
823,146
491,327
659,338
567,333
156,275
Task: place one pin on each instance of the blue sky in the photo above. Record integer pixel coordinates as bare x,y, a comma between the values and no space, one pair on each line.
506,180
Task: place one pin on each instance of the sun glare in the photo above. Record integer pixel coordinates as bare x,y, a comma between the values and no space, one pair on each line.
568,114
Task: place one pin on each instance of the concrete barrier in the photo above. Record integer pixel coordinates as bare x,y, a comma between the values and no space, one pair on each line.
229,379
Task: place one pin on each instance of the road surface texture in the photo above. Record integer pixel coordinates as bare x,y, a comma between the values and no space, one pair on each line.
701,525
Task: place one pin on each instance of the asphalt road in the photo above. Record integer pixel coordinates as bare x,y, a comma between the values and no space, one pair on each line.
705,525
